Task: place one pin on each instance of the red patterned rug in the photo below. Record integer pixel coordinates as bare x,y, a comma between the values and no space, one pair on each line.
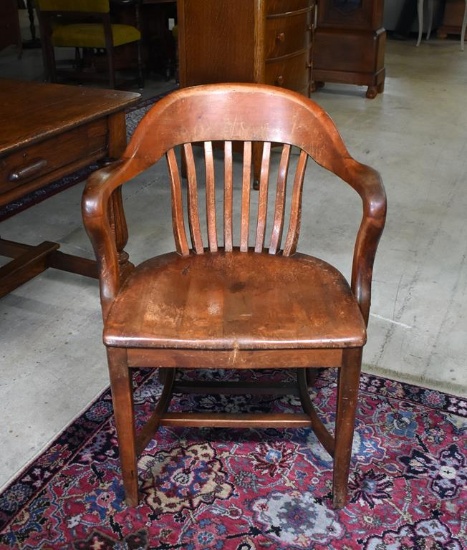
252,489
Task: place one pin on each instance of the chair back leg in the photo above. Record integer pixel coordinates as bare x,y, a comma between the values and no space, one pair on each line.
48,55
111,67
140,65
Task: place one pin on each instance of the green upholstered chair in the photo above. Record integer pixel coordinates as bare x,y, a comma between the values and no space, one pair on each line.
86,26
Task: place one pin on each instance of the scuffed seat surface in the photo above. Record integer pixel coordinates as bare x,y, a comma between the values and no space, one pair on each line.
211,301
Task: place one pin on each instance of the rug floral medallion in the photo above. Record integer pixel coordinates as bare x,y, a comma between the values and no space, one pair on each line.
214,489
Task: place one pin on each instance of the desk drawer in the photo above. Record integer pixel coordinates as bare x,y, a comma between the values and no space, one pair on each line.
291,72
40,160
288,34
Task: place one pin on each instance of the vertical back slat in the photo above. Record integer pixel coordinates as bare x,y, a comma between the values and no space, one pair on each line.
246,190
263,197
178,223
193,207
296,206
210,196
279,209
228,197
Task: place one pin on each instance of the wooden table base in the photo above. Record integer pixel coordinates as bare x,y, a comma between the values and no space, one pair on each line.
28,261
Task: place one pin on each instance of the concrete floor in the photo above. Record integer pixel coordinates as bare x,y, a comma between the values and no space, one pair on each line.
52,360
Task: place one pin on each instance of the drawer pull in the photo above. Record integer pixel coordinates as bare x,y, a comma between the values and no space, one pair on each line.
279,80
280,37
27,171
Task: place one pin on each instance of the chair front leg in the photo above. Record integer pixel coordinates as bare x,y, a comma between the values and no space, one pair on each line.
122,398
347,398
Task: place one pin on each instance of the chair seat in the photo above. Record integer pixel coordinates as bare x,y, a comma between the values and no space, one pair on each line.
90,35
235,300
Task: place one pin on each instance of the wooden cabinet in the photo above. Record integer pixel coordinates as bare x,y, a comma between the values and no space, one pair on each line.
452,18
349,44
264,41
9,24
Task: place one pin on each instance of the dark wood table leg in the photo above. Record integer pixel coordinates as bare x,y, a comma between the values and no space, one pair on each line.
29,261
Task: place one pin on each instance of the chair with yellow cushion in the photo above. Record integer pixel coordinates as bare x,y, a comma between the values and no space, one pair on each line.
86,26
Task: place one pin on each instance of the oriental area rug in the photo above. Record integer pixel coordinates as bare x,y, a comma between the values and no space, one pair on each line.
133,116
214,489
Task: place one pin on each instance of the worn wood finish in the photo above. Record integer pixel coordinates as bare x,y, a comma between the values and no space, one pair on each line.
64,129
235,293
349,45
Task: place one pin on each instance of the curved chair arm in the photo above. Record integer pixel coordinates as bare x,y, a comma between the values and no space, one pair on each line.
95,208
368,184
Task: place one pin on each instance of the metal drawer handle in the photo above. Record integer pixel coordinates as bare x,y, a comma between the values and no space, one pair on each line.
36,166
279,80
280,37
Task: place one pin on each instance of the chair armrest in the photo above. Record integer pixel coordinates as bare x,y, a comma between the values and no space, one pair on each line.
96,212
367,182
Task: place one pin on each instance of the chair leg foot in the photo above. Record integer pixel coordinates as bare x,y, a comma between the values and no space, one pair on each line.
132,496
339,501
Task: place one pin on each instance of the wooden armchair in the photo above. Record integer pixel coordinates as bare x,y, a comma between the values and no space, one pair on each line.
234,294
86,26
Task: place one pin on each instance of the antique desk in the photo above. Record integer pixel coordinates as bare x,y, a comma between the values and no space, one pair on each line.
49,131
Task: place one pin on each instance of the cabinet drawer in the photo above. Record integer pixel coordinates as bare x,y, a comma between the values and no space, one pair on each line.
286,6
291,72
41,159
287,34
